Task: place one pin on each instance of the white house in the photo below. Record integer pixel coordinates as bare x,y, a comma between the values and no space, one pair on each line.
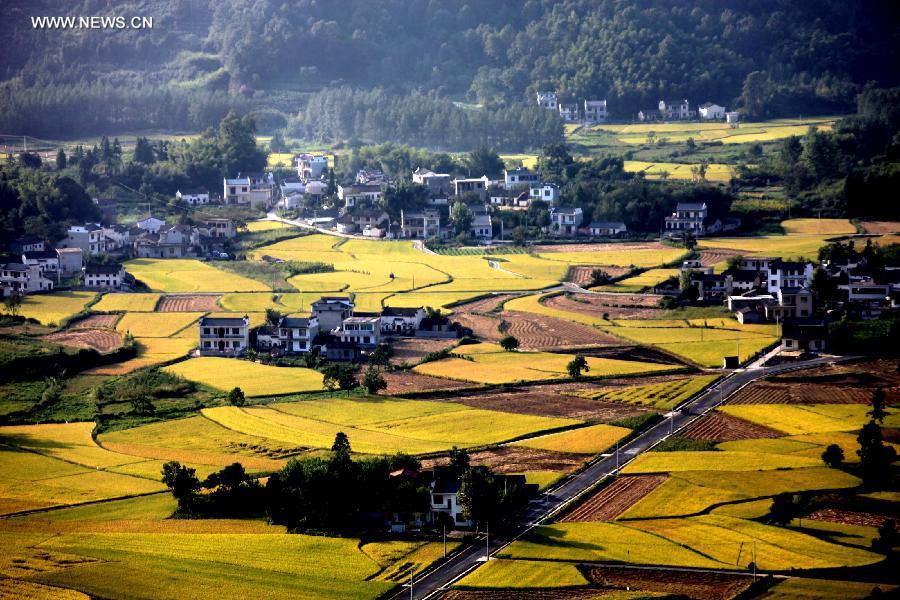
224,336
310,166
420,224
733,117
471,185
521,177
193,197
595,111
330,311
103,277
789,274
607,228
675,109
445,499
289,187
248,188
220,228
363,332
71,261
547,100
438,184
151,224
712,112
548,192
296,334
47,261
89,237
24,279
401,320
357,192
482,227
688,216
569,112
565,220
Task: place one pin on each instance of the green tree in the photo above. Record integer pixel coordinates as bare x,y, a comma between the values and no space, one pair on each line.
520,235
875,457
459,460
785,508
143,151
272,317
577,366
461,217
599,277
277,144
877,412
509,343
381,354
340,376
373,380
478,495
341,446
833,456
60,159
236,397
484,161
183,483
887,539
12,303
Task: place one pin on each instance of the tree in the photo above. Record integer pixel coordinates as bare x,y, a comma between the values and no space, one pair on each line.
12,303
691,144
484,161
373,380
183,483
30,160
887,539
340,376
143,151
478,495
599,277
236,397
520,235
833,456
823,286
60,159
785,508
459,460
276,144
877,413
272,317
142,405
734,262
381,354
341,446
461,217
874,457
576,366
509,343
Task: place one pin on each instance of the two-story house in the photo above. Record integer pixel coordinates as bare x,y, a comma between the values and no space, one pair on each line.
648,115
565,221
103,277
249,189
568,112
362,332
71,261
47,261
482,226
688,217
420,224
675,110
472,185
401,320
547,100
223,336
438,184
445,498
548,192
710,111
330,311
295,335
27,243
595,111
89,237
791,302
150,223
172,241
358,193
520,177
23,279
370,222
310,166
790,274
220,228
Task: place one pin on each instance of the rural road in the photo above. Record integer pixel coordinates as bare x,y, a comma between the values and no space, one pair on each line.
541,509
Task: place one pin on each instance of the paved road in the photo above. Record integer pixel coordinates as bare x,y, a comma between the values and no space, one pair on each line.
543,508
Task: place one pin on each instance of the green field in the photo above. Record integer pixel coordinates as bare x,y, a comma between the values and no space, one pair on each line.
488,363
663,396
176,275
506,574
253,378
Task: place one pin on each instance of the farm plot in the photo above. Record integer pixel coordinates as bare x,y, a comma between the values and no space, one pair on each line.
518,459
70,442
95,322
654,170
698,586
818,226
770,392
413,350
718,427
506,574
254,379
147,325
881,226
189,303
731,541
101,340
402,382
150,351
614,499
54,309
822,589
670,462
436,426
618,255
541,332
584,440
805,245
254,226
812,418
487,363
663,396
583,275
121,302
637,283
186,275
400,566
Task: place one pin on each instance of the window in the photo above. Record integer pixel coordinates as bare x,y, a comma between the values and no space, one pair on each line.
459,518
438,499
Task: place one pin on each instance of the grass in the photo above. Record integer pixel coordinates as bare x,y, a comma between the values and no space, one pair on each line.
818,226
164,324
823,589
150,351
647,279
604,542
512,574
55,308
809,418
488,363
188,275
254,379
584,440
663,396
410,426
115,302
669,462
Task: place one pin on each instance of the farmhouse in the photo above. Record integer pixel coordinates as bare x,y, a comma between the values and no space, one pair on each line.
803,335
733,117
445,499
362,332
172,241
420,224
71,261
151,224
521,177
790,274
310,166
220,228
27,243
710,286
193,197
291,335
47,261
330,311
565,220
438,184
607,228
249,188
89,237
790,302
547,100
648,114
711,112
482,227
372,177
315,190
356,193
477,185
568,112
224,336
688,216
23,279
103,277
675,110
595,111
401,320
372,222
289,187
548,192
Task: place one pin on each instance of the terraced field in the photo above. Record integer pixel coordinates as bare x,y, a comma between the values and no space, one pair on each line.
614,499
253,378
176,275
101,340
189,303
54,309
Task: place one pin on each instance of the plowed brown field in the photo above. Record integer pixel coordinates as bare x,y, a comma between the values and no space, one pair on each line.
539,332
623,247
198,303
850,517
101,340
717,427
96,321
800,393
400,382
709,258
618,306
516,459
413,350
611,501
582,275
695,585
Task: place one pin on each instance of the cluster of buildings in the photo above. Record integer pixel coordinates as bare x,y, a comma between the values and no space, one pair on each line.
32,266
681,110
333,329
589,111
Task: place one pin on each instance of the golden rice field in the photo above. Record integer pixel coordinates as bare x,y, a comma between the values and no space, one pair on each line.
749,132
55,308
70,442
803,239
655,170
673,462
154,324
374,426
150,351
664,396
794,419
818,226
488,363
584,440
511,574
176,275
254,379
254,226
121,302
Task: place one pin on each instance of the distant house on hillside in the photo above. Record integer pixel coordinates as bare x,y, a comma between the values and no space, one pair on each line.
565,221
569,112
548,192
547,100
472,185
520,177
675,110
595,111
151,224
224,336
193,197
438,184
420,224
357,193
712,112
310,166
89,237
607,228
688,217
648,115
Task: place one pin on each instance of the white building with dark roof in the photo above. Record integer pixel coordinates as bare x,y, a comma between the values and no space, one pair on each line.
223,336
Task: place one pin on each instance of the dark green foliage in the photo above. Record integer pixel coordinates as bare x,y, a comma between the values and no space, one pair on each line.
236,397
785,508
678,443
487,499
340,376
183,483
638,421
509,343
887,539
577,366
875,457
373,380
833,456
381,354
459,461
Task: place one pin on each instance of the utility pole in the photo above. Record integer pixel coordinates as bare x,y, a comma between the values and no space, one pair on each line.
411,584
487,541
617,455
445,539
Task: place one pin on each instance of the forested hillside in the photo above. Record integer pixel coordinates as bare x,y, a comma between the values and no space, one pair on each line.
202,58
